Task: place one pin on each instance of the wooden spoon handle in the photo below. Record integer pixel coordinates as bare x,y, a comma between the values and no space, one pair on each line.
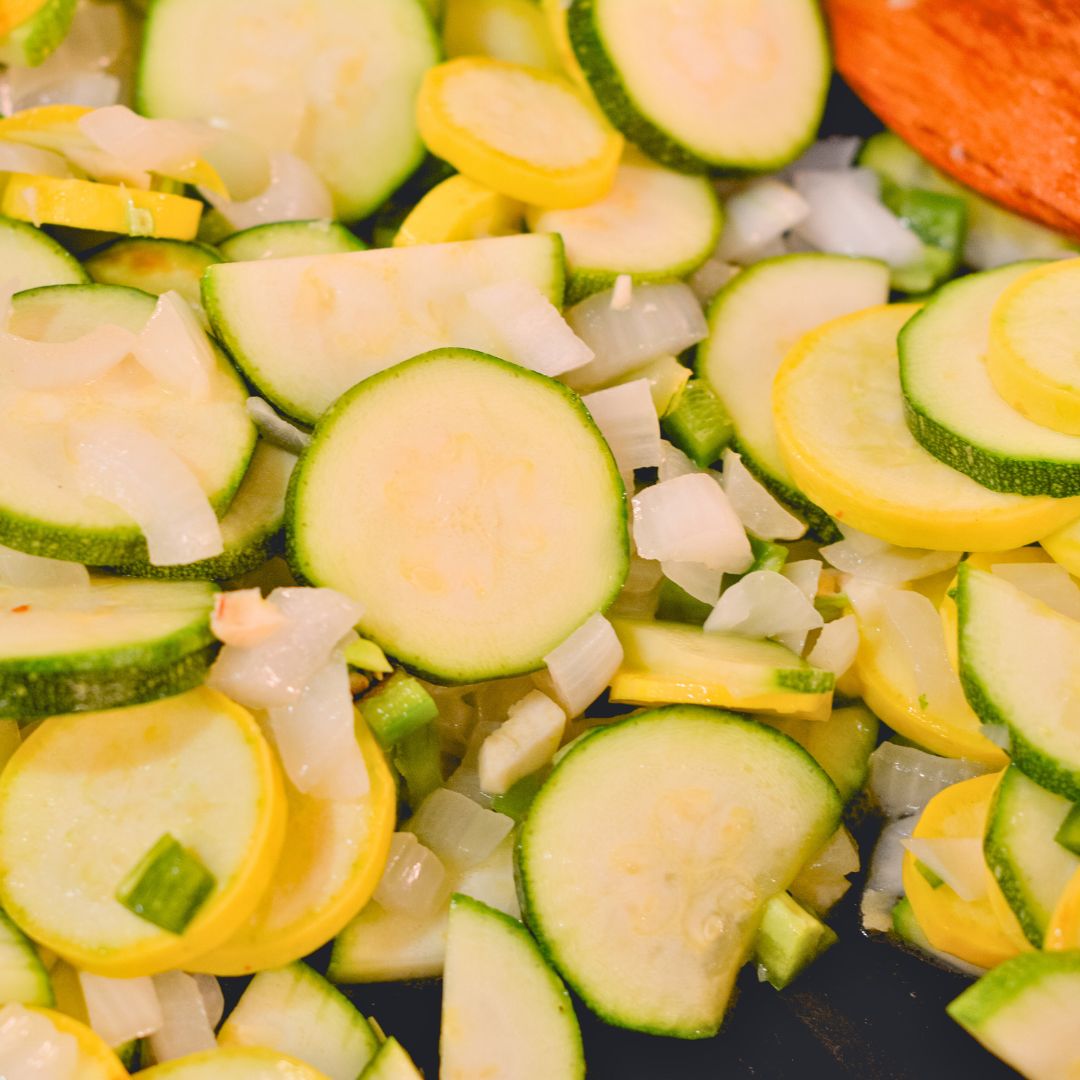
988,90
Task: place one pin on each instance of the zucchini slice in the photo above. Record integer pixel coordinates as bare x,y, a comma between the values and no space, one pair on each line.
504,1011
234,1063
113,643
87,796
392,1063
23,977
1019,663
155,266
839,418
352,315
32,258
650,911
483,484
331,80
707,85
42,514
953,408
285,239
753,322
1025,1012
1030,866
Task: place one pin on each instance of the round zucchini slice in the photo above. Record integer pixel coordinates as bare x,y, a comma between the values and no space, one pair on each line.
470,505
32,258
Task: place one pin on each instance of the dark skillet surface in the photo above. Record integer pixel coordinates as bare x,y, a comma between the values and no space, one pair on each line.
866,1010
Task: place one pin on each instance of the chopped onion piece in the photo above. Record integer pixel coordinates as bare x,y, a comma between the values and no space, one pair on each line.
213,997
121,1009
275,429
805,574
51,365
885,882
660,320
865,556
295,193
823,880
244,618
847,219
91,89
32,1048
316,736
582,666
1047,582
756,216
903,779
697,580
137,472
524,743
186,1027
763,604
710,277
627,419
21,570
414,880
465,779
762,515
837,646
674,463
622,292
834,152
535,334
999,735
276,670
174,348
22,158
690,519
639,595
458,830
958,861
156,145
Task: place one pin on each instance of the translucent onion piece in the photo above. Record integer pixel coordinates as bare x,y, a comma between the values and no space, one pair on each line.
835,152
121,1009
275,429
213,997
640,593
710,277
622,292
21,158
958,861
316,737
1047,582
458,830
524,743
697,580
174,348
626,417
837,646
414,881
865,556
762,515
690,519
674,463
885,883
295,193
244,617
756,216
824,879
21,570
186,1027
137,472
465,779
52,365
156,145
91,89
903,779
763,604
805,574
31,1047
276,670
582,666
100,165
535,334
660,320
848,219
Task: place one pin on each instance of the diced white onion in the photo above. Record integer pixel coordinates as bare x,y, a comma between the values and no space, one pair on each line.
622,292
244,618
22,158
626,417
21,570
837,646
186,1027
156,145
465,779
136,471
524,743
639,595
582,666
121,1009
414,881
762,515
91,89
174,348
674,463
958,861
458,830
1047,582
51,365
32,1048
690,519
834,152
885,883
275,429
102,166
903,779
535,334
661,320
805,574
846,219
697,580
865,556
666,378
213,997
756,216
276,670
316,736
824,879
763,604
295,193
710,277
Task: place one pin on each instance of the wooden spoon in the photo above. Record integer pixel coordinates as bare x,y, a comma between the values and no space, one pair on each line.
988,90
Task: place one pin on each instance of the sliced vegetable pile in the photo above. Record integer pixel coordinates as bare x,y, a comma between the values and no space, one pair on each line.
445,520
